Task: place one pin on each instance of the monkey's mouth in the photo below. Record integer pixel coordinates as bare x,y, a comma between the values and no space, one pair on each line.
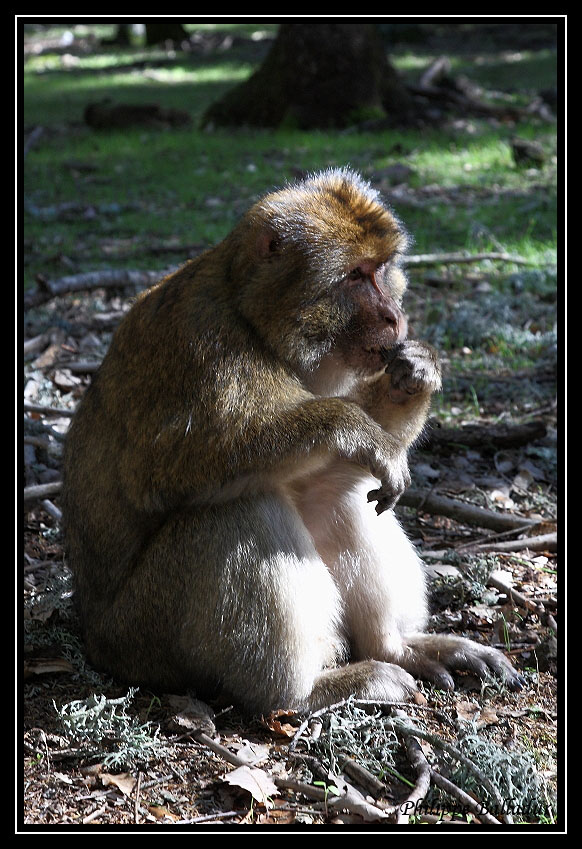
374,356
377,351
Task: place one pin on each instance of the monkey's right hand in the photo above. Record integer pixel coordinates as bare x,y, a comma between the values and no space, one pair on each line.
414,369
392,486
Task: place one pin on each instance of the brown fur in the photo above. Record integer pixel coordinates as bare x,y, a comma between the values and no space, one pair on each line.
216,471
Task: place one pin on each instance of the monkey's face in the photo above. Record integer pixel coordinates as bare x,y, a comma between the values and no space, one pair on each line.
322,278
370,296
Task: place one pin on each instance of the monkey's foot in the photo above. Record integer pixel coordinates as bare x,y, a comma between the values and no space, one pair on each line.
366,679
431,656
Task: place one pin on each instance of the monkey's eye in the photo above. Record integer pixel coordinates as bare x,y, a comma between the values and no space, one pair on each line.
356,274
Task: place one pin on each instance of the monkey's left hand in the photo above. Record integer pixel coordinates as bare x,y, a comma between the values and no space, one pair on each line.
414,370
391,489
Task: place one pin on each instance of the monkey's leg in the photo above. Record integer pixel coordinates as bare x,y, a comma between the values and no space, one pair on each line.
234,600
382,584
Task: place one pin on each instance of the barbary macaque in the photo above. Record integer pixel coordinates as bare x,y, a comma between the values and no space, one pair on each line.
225,470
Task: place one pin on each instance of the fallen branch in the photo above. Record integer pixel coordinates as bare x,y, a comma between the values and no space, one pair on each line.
462,512
543,542
350,799
498,583
467,801
479,436
119,278
422,769
52,510
47,411
82,366
37,343
456,258
402,727
41,491
426,774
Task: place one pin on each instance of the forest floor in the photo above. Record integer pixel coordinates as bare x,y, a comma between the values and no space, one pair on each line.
95,754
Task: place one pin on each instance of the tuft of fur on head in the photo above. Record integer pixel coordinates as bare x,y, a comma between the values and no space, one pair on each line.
307,237
334,214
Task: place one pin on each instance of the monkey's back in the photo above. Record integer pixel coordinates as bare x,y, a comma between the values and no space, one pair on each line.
170,404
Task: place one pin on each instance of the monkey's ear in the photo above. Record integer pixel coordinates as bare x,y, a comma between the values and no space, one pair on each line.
268,244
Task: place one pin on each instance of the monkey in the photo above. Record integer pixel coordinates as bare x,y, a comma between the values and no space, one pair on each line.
231,472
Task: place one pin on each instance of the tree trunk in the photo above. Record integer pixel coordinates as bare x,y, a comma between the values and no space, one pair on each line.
160,33
317,76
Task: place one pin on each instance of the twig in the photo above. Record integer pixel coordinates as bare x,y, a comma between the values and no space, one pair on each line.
490,537
445,258
467,801
351,798
364,778
137,792
421,767
543,542
427,774
480,436
48,411
221,815
53,511
81,366
461,511
400,726
94,815
31,346
118,278
367,702
40,491
221,750
499,584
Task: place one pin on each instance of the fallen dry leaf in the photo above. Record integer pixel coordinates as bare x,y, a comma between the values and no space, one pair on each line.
159,812
467,711
256,781
192,715
124,781
273,723
470,712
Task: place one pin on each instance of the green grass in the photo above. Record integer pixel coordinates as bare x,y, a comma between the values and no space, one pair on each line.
142,188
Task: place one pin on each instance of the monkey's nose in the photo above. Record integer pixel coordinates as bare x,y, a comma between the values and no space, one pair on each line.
391,314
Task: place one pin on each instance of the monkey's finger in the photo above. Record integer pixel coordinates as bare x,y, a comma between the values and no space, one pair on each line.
483,662
390,354
384,502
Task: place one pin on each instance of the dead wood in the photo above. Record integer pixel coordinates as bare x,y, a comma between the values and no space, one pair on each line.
422,769
52,510
120,278
498,583
467,801
543,542
351,799
47,411
480,436
402,727
105,115
41,491
37,343
455,258
460,511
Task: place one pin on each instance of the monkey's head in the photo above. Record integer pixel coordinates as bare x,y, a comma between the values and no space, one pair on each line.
322,281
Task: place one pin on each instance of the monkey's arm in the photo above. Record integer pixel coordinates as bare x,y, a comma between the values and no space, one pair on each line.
279,444
399,400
